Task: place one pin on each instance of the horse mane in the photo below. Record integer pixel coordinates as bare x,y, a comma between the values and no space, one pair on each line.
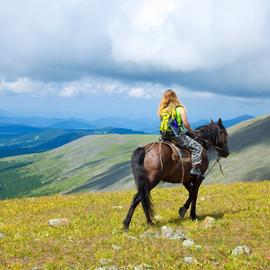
207,132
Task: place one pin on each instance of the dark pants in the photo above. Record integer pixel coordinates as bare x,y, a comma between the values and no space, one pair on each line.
194,147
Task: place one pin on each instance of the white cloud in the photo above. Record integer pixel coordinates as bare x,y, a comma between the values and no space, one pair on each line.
137,92
217,46
19,86
188,35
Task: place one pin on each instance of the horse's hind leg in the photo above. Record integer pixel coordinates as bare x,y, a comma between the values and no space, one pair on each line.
135,201
185,207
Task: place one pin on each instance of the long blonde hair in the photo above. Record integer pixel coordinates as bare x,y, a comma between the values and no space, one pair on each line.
169,97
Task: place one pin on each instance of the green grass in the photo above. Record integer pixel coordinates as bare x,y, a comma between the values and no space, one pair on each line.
67,167
242,213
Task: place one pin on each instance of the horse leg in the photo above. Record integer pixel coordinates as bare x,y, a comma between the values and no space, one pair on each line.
153,182
135,201
185,207
194,192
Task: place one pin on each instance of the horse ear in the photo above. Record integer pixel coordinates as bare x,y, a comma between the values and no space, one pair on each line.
219,122
212,122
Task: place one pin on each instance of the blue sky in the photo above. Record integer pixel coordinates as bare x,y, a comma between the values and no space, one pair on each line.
97,58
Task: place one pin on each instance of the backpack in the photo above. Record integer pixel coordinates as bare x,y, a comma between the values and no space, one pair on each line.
171,118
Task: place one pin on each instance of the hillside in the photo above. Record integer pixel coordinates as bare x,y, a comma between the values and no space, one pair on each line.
19,139
95,162
93,234
249,143
102,162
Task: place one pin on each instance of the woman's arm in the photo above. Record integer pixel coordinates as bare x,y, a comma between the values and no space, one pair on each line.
185,121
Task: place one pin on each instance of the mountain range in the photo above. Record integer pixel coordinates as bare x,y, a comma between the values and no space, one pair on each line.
146,125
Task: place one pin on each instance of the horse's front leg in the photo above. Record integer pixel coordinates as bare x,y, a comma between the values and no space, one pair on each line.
196,184
185,207
135,201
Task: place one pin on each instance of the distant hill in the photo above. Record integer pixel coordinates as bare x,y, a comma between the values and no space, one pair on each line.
147,125
237,120
71,124
249,143
19,139
102,162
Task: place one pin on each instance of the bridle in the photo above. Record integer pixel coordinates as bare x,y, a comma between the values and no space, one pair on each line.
217,148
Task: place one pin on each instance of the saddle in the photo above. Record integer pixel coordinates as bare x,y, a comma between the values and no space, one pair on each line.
178,153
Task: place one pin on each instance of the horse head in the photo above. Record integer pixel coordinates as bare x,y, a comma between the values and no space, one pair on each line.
215,136
221,139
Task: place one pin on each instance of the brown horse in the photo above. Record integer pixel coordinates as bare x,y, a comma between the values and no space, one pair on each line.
154,163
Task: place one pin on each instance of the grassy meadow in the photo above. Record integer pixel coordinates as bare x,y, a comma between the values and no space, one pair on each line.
241,210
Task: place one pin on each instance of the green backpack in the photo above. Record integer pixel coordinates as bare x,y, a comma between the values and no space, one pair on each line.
171,117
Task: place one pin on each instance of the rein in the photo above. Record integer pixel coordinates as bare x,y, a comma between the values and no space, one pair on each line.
217,160
220,167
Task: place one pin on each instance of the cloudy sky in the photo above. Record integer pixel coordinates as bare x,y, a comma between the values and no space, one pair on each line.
97,58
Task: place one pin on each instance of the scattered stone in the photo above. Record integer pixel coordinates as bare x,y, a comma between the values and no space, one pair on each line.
241,250
131,237
188,243
198,247
189,260
166,232
202,198
35,268
142,266
1,236
150,235
158,217
111,267
103,261
57,222
115,247
208,222
179,235
117,207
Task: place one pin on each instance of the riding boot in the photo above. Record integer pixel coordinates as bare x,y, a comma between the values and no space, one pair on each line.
195,171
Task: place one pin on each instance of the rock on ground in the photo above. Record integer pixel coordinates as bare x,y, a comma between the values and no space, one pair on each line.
103,261
57,222
198,247
188,243
166,231
111,267
208,222
158,217
241,250
1,235
142,266
190,260
115,247
119,207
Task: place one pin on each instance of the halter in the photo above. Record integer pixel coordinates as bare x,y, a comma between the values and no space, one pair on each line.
217,148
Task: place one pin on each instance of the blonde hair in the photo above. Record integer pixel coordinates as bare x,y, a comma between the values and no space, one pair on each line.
169,97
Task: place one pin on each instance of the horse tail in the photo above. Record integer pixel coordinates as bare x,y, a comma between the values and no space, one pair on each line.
142,180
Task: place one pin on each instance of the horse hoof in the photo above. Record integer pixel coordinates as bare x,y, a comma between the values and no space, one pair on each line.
182,212
194,218
151,223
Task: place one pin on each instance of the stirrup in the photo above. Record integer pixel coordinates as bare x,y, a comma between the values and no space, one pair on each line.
195,171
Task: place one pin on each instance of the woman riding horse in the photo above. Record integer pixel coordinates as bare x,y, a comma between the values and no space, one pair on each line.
154,162
173,120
